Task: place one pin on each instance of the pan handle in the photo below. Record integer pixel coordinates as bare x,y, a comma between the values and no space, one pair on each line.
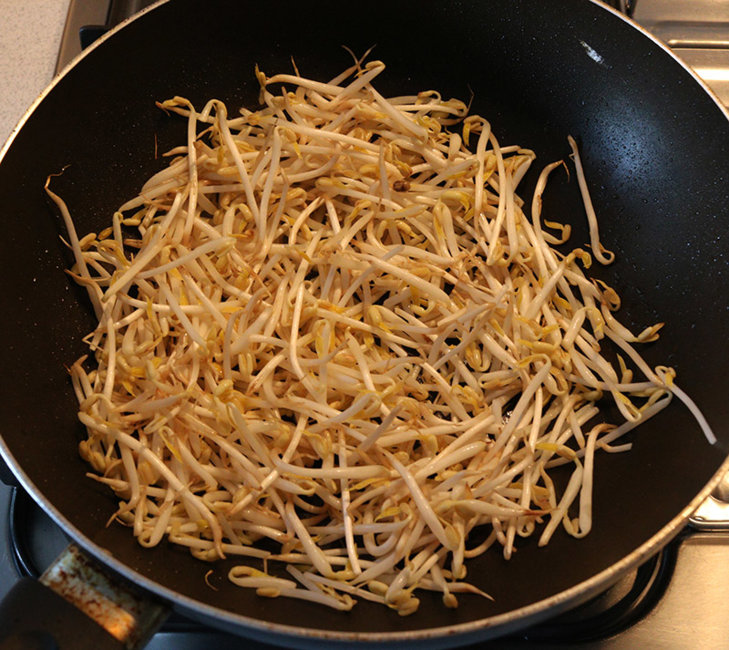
626,6
6,475
119,10
76,604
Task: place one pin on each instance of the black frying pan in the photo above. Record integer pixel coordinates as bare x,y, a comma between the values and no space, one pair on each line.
655,146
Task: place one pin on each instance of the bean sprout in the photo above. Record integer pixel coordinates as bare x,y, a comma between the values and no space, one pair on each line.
331,325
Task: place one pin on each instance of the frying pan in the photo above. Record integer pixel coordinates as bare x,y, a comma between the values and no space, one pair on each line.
655,146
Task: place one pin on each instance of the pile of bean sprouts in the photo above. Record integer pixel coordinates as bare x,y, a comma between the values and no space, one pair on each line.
330,326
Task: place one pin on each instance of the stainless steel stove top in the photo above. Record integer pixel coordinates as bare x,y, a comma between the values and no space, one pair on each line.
697,31
675,601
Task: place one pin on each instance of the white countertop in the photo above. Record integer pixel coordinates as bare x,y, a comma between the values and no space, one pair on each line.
30,35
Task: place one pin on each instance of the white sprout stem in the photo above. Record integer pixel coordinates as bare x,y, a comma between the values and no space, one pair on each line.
585,517
422,504
318,559
346,516
204,249
601,254
695,411
192,169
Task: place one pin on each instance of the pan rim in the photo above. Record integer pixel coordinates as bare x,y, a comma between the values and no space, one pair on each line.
444,636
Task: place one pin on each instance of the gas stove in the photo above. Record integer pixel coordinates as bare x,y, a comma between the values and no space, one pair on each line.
675,600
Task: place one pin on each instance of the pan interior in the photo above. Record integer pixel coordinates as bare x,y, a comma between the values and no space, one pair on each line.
655,147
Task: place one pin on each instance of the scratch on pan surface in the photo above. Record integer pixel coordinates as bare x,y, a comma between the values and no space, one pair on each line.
594,54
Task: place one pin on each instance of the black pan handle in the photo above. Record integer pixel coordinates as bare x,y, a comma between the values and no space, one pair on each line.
122,9
119,10
626,6
6,475
77,605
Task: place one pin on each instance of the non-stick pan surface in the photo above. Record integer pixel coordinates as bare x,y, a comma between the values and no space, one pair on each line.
656,151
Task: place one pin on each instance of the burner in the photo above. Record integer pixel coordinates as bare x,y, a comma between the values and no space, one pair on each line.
35,540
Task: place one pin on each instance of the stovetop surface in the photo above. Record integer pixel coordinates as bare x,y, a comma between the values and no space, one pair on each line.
677,600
